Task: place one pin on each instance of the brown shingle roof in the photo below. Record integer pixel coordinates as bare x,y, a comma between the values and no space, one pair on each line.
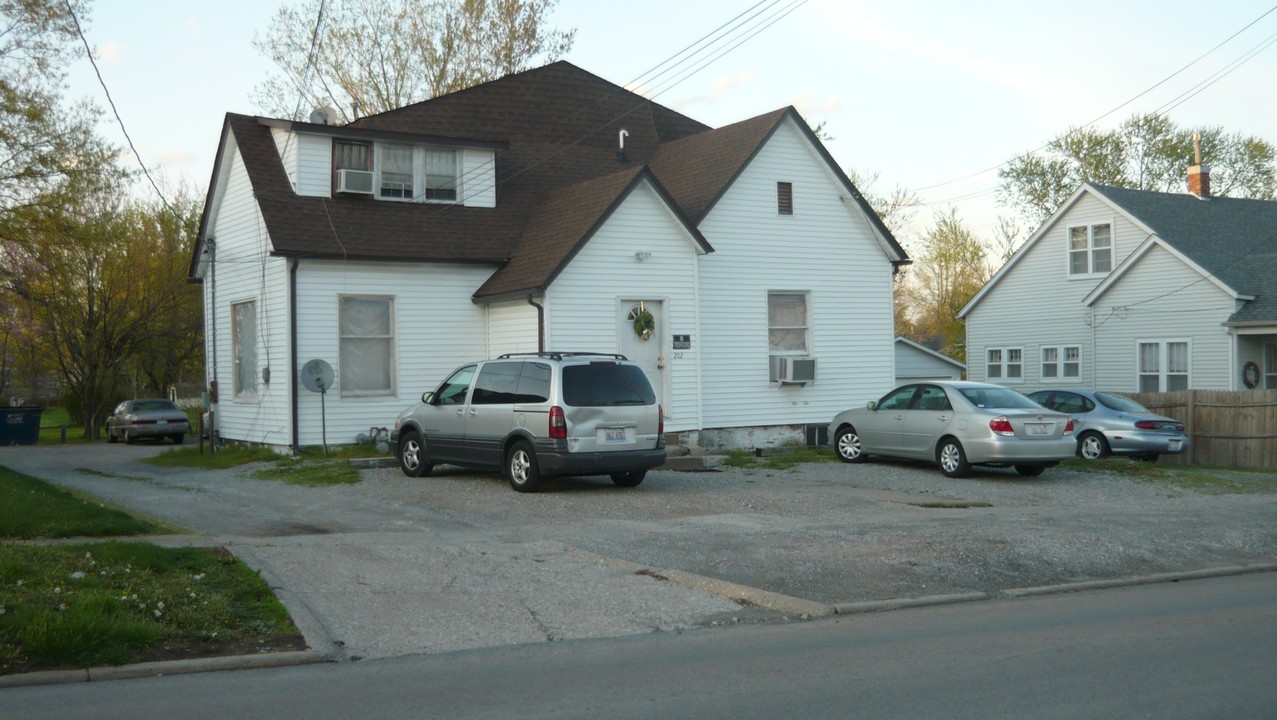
557,178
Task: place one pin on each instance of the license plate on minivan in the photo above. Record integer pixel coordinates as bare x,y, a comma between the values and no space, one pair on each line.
612,435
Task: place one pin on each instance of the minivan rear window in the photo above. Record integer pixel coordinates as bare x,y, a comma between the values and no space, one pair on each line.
605,384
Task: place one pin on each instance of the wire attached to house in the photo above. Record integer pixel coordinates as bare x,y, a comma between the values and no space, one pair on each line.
89,52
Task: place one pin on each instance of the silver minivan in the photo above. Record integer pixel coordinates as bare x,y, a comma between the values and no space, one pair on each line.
537,415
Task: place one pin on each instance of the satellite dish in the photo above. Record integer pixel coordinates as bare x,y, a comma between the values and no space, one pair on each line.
317,376
325,115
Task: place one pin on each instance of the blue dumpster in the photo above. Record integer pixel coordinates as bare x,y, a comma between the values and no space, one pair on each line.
20,425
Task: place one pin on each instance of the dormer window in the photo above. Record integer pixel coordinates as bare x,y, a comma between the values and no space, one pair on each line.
352,155
398,171
441,174
395,162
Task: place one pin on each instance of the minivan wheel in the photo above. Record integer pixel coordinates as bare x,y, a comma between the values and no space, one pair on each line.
521,468
952,459
412,455
847,446
629,479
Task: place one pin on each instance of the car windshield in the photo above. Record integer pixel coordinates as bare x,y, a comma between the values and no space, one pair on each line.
602,384
1119,403
996,397
150,405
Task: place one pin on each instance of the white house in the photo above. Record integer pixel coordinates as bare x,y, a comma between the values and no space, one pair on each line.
541,211
1136,291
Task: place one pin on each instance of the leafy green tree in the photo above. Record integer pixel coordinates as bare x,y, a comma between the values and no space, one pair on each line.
1147,152
896,208
952,268
385,54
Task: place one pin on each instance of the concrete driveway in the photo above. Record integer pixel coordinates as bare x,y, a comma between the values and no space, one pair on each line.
394,565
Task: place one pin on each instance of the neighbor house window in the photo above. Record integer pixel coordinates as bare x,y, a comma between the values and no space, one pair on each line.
441,174
1090,249
367,339
1163,365
396,171
785,198
1061,362
352,155
787,323
1004,364
244,347
1270,366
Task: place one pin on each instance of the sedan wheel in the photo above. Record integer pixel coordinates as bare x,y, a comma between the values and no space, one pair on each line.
629,479
110,435
1029,470
953,461
1092,446
848,447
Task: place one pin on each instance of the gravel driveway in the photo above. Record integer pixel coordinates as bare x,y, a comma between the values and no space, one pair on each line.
394,565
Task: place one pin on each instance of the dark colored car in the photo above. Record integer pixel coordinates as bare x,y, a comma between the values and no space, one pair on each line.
1111,424
156,418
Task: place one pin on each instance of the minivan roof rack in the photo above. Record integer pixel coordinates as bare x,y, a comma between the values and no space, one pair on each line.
558,355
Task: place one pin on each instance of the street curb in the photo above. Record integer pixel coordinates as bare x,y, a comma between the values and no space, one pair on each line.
167,667
1141,580
868,606
739,593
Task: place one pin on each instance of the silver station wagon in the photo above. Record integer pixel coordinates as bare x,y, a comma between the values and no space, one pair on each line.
956,425
536,416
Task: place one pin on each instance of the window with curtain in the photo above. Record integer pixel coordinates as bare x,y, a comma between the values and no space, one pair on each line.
1061,362
787,323
367,345
244,347
352,155
1270,366
1004,364
441,175
396,171
1162,365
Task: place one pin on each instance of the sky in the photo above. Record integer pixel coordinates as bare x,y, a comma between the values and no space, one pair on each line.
926,95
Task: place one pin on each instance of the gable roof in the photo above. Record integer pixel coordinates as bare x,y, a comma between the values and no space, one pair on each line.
554,130
902,341
563,223
1232,241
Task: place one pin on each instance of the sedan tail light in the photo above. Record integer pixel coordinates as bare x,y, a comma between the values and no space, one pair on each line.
558,424
1069,427
1001,426
1146,425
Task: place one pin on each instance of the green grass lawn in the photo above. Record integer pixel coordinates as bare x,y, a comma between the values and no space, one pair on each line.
66,606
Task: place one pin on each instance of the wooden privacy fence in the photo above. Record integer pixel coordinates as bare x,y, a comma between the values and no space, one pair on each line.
1225,429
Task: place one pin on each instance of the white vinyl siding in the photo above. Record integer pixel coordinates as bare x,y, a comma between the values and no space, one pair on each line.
436,329
308,161
478,178
1034,305
581,304
1161,298
512,327
914,364
826,249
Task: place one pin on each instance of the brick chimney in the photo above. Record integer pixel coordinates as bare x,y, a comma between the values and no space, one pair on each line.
1198,174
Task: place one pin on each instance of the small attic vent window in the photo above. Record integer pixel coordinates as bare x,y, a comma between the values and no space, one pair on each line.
785,198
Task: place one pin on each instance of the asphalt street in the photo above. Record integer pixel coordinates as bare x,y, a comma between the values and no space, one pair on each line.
395,566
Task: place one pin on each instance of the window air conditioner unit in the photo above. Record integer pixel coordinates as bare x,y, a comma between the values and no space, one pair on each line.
797,370
354,181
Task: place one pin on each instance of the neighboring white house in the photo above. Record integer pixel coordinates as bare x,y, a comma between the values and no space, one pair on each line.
542,211
1135,291
918,362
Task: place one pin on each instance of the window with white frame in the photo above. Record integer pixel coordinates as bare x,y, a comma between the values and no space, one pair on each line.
441,175
395,180
1090,249
1004,363
366,331
244,348
787,323
1162,365
1061,362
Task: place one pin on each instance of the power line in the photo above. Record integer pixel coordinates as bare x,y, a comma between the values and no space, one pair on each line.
89,51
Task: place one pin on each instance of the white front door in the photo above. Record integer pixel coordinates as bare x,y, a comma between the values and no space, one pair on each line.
643,341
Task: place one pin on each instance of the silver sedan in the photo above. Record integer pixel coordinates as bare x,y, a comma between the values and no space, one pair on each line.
157,418
1111,424
956,424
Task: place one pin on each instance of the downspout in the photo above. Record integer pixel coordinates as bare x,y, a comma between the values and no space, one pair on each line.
292,349
540,324
214,408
